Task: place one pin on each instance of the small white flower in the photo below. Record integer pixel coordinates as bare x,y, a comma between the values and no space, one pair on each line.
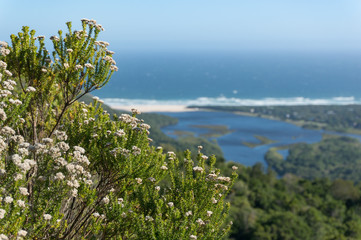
189,213
209,213
119,133
3,237
20,203
2,114
193,237
234,168
3,64
18,176
88,65
148,218
198,169
164,167
135,111
47,140
106,200
54,38
224,179
120,200
22,233
200,221
96,214
59,176
24,191
79,149
157,188
78,67
8,199
113,68
47,216
60,135
7,72
30,89
170,204
7,131
152,179
2,213
139,180
74,192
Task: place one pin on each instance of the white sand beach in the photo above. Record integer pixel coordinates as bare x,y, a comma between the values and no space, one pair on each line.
157,108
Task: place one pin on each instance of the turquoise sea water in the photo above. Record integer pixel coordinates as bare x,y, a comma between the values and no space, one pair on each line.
234,78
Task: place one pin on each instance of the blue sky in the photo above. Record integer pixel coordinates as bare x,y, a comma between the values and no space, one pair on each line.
331,25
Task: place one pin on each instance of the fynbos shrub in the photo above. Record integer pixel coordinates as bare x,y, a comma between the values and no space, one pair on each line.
70,171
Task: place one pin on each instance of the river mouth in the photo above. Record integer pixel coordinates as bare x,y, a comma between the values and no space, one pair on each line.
243,139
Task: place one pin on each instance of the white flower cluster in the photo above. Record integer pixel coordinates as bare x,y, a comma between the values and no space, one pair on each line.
3,49
101,44
24,165
133,121
2,115
221,186
139,180
136,150
78,67
198,169
30,89
119,133
189,213
92,23
200,221
88,65
113,68
55,38
2,213
124,152
109,59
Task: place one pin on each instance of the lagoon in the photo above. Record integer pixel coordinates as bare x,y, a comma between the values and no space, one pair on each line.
245,129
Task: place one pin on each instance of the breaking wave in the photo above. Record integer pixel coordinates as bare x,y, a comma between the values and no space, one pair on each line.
224,101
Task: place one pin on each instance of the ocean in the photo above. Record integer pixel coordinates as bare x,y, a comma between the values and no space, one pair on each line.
234,78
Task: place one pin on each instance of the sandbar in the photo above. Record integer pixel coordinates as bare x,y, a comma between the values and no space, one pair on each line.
156,108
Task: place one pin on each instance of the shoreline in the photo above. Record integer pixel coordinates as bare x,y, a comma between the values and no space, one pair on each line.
156,108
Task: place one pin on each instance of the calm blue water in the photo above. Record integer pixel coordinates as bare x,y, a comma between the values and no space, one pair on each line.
244,130
233,77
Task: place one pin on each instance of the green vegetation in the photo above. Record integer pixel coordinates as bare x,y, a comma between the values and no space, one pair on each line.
336,118
265,207
70,170
334,157
262,141
214,131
